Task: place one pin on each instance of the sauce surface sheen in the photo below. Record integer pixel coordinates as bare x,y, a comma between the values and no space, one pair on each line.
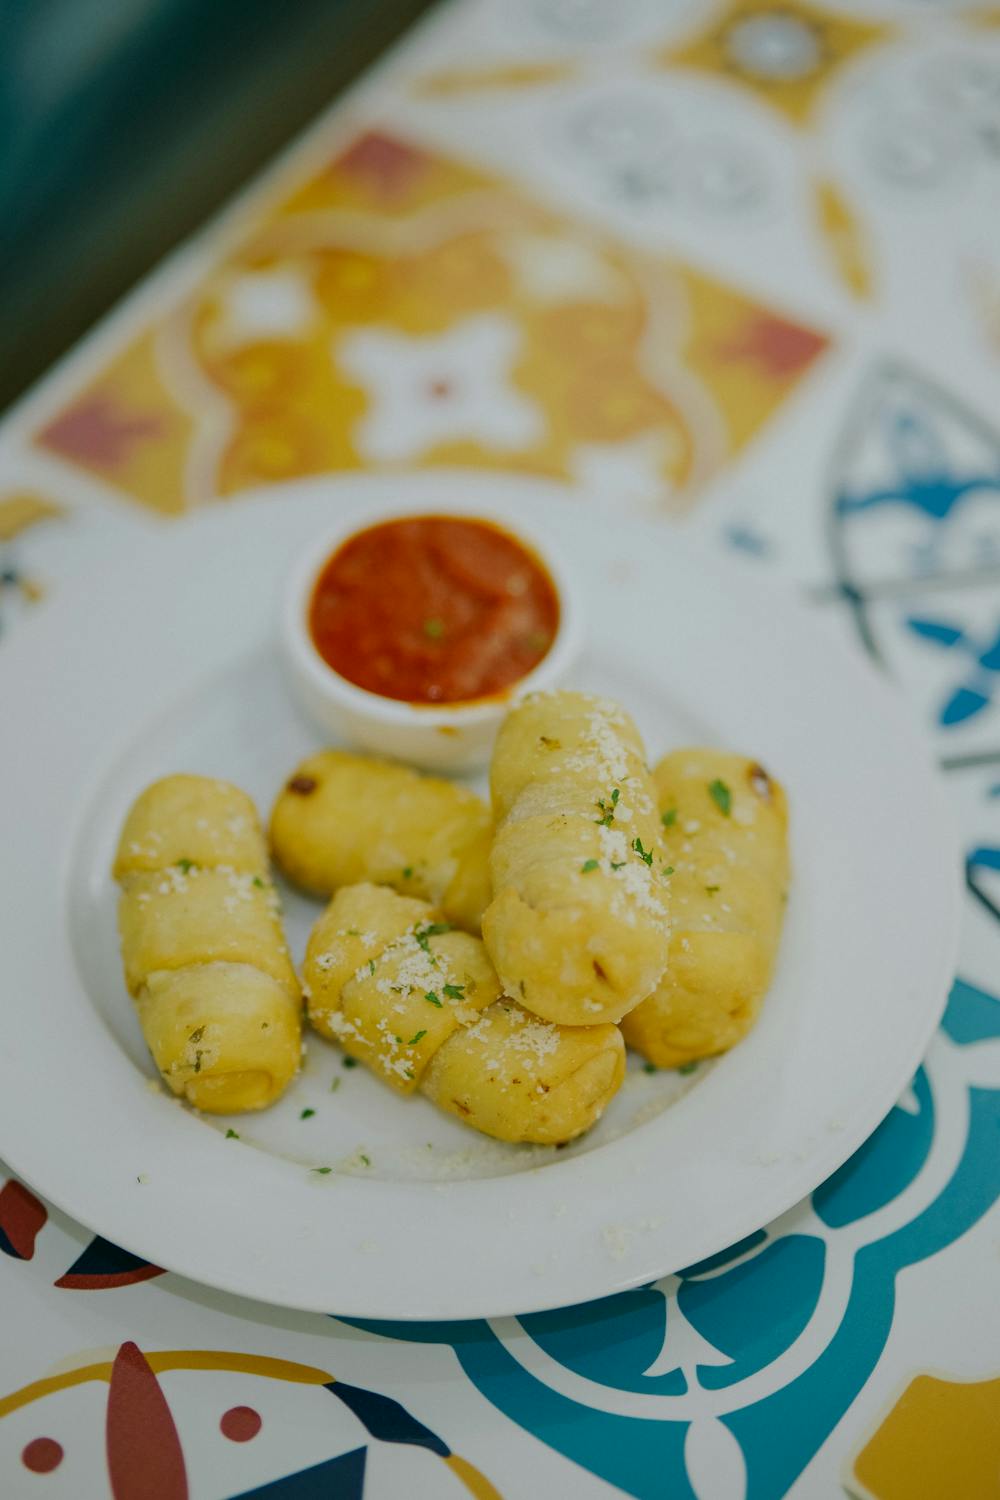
433,609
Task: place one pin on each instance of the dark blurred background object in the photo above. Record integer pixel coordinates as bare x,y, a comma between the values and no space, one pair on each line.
125,123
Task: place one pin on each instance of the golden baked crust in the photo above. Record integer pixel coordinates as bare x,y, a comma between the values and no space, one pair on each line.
203,950
343,818
420,1004
578,927
726,836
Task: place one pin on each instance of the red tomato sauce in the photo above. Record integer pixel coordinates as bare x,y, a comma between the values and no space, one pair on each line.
433,609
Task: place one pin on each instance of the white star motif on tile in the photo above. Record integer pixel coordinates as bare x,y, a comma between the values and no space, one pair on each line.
629,475
255,305
439,388
551,269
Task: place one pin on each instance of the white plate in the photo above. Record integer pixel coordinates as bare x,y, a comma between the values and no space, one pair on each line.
168,662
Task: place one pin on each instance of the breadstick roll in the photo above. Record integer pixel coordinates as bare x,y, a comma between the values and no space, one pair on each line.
191,819
420,1004
726,835
578,927
343,818
203,950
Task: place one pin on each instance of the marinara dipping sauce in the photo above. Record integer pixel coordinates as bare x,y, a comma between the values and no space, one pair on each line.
433,609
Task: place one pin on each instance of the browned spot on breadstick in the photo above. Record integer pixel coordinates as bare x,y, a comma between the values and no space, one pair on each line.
760,781
303,785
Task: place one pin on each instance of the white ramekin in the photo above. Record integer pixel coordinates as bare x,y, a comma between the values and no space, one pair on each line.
440,736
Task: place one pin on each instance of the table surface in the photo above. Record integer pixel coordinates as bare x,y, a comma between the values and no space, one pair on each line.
736,266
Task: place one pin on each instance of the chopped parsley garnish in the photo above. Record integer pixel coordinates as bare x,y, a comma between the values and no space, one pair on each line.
354,932
619,864
415,1039
433,628
398,1039
667,870
423,934
334,1085
410,1073
232,1135
407,872
322,1171
608,809
453,991
432,998
349,1062
186,866
649,1067
669,818
646,855
259,883
688,1067
364,1158
197,1035
711,889
371,966
307,1114
588,865
721,796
